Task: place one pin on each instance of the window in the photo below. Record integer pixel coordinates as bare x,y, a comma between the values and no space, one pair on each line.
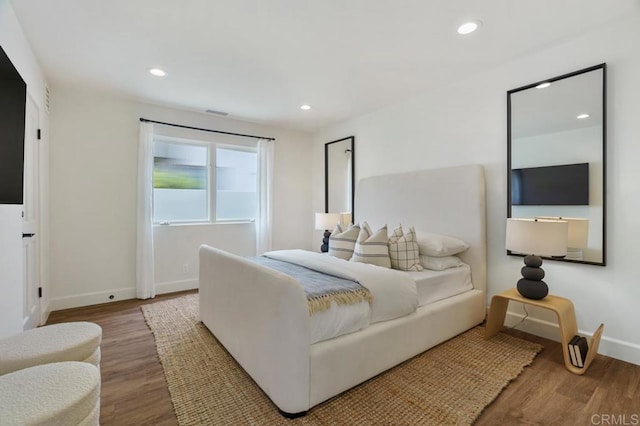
182,180
236,184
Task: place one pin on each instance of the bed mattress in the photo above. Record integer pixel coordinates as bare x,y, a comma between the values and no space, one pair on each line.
437,285
432,286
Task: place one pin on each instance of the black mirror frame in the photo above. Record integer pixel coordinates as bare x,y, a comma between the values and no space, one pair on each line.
326,174
603,67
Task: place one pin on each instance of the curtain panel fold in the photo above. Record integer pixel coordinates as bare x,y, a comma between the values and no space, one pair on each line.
265,185
145,285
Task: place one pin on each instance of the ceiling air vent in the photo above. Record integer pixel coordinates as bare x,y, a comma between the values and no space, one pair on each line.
222,113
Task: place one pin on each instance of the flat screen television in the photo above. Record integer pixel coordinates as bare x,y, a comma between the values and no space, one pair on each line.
564,185
13,98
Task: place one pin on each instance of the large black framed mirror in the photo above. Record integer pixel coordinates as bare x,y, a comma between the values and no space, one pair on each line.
339,175
556,158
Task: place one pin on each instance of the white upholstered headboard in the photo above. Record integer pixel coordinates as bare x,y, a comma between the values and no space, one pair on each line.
449,201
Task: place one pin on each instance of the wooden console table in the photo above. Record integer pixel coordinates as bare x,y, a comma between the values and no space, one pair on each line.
566,321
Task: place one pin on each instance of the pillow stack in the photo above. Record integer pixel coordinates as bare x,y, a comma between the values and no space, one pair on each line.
438,252
404,251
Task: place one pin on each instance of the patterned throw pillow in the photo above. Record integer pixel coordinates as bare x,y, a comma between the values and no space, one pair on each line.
342,243
372,248
403,250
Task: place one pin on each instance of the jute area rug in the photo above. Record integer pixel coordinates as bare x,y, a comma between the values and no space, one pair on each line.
449,384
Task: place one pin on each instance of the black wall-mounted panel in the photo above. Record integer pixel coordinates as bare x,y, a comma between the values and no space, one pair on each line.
13,97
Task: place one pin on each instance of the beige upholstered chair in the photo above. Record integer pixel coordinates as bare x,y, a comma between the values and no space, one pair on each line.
72,341
62,393
51,375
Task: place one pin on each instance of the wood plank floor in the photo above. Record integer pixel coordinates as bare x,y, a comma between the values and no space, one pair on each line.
134,391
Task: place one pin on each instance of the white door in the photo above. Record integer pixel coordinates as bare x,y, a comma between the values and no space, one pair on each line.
31,215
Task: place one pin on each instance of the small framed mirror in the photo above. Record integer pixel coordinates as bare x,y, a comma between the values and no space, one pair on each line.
339,175
556,152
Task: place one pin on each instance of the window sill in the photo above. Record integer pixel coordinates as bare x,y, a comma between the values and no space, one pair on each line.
188,224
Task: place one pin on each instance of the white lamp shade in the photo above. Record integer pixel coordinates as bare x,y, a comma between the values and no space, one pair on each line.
327,220
537,236
578,230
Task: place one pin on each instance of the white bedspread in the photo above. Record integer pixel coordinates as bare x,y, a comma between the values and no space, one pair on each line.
394,292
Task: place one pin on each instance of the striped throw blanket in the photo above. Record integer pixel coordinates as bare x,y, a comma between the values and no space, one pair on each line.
321,289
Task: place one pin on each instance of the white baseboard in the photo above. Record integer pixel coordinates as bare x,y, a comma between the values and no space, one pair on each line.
87,299
173,286
614,348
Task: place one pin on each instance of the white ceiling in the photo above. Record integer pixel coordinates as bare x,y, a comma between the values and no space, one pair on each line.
259,60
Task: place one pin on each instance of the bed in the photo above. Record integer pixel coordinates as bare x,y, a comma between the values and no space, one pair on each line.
261,316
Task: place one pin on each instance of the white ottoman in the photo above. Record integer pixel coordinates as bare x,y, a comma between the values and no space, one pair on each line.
63,393
71,341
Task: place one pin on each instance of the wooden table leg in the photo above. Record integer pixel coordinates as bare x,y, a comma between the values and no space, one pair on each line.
497,313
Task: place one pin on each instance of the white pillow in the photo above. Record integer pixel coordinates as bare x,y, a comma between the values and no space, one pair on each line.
439,245
342,243
372,249
403,250
440,263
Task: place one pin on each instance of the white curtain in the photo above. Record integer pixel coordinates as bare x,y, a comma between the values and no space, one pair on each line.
145,286
265,184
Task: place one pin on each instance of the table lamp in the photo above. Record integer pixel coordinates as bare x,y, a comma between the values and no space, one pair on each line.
535,238
326,221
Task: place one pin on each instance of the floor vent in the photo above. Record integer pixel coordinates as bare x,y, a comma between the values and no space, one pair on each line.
222,113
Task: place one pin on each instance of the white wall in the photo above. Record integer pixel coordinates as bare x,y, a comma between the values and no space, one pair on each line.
176,250
11,293
16,46
93,190
465,122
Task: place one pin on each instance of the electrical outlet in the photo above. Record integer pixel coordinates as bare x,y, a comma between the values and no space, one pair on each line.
185,268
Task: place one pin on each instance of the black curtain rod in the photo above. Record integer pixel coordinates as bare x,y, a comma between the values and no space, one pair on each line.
145,120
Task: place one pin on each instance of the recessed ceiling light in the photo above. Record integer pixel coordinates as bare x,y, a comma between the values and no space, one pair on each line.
582,116
543,85
157,72
468,27
305,107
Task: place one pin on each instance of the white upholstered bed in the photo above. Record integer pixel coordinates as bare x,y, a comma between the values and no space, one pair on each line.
261,316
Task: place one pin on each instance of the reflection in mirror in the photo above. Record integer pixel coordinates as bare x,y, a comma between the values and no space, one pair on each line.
339,174
556,157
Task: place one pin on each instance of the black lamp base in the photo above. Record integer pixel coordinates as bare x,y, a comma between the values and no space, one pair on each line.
532,289
325,241
531,285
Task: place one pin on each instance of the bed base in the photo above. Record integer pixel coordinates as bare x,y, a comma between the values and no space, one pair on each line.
264,324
